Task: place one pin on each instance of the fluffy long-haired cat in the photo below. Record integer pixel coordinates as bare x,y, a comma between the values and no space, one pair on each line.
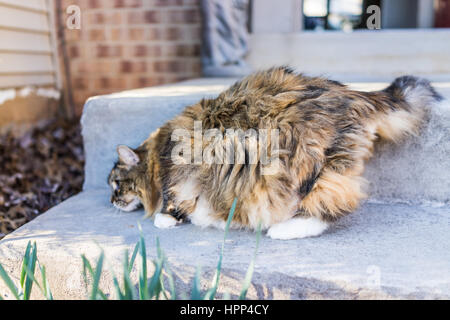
324,133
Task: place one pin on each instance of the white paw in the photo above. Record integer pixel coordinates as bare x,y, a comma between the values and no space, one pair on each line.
297,228
164,221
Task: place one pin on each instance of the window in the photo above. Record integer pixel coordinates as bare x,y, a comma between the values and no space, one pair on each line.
335,14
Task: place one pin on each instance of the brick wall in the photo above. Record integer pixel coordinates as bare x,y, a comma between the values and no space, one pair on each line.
126,44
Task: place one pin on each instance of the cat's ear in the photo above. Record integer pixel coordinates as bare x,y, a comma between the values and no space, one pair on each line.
127,156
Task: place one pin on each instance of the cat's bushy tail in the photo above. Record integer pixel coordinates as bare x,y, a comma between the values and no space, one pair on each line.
409,97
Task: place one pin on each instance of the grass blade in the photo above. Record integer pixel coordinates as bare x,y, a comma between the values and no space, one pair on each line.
87,265
211,294
251,267
173,294
96,277
119,294
128,289
101,295
9,283
29,275
143,289
155,286
133,257
25,263
30,268
196,293
155,281
95,292
46,288
171,285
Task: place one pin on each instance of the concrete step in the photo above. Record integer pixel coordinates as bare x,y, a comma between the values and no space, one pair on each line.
396,246
381,251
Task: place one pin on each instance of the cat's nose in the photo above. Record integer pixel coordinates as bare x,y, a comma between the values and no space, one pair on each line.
112,199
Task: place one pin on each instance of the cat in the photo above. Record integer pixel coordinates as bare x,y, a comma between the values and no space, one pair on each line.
325,133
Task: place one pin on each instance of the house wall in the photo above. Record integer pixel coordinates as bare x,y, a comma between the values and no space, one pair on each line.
368,55
28,62
126,44
26,46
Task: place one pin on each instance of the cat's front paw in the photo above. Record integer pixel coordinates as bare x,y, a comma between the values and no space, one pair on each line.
297,228
165,221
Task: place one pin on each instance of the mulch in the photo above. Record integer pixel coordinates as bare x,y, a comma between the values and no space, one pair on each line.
38,171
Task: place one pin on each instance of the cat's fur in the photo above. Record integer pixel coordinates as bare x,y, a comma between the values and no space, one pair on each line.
326,132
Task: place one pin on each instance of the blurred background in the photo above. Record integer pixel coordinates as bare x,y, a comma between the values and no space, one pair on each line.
55,54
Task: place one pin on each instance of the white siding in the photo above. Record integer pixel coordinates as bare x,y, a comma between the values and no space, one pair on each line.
27,48
38,5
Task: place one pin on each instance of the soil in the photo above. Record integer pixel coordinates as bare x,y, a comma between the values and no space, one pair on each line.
38,171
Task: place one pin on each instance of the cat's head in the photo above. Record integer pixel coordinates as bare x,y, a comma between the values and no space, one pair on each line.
123,180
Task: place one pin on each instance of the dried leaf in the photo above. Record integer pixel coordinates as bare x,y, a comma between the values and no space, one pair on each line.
38,171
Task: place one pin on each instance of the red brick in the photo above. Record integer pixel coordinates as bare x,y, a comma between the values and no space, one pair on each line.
135,17
78,67
194,67
152,16
168,66
169,50
80,83
72,34
108,55
191,2
97,34
187,50
147,81
144,50
103,66
153,34
181,50
66,3
162,3
172,33
133,67
127,3
192,33
184,16
109,51
140,17
140,50
116,34
96,18
74,51
112,18
94,4
136,33
126,67
109,83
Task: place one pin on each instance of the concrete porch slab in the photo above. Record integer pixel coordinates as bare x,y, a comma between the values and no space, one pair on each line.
396,246
381,251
